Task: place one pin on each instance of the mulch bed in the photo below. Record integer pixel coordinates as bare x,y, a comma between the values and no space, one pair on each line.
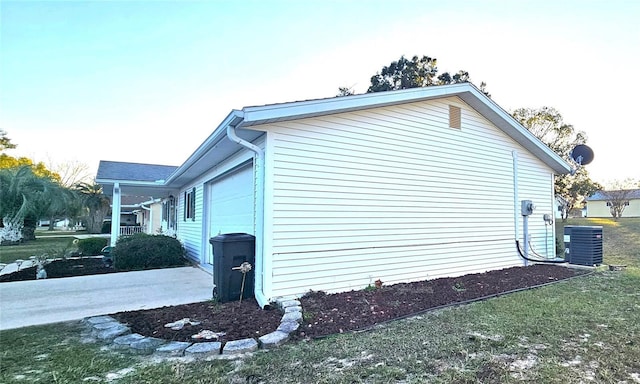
327,314
62,268
237,320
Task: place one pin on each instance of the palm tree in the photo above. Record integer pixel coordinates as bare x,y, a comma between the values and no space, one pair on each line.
96,205
25,197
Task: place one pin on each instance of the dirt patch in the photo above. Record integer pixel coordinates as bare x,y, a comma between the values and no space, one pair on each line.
327,314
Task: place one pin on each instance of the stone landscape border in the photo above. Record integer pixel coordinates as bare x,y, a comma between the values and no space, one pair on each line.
107,329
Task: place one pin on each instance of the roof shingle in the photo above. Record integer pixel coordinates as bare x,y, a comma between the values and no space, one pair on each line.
116,170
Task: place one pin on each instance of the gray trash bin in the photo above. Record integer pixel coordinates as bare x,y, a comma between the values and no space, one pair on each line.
230,251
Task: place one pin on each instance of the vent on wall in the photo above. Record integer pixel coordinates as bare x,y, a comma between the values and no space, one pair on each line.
454,117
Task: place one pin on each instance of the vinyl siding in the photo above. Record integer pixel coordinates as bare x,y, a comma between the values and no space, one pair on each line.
394,194
536,185
190,230
194,234
597,208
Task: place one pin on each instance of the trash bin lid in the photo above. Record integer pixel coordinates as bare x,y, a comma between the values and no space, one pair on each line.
231,237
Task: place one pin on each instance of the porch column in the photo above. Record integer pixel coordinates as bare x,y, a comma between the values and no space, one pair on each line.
115,215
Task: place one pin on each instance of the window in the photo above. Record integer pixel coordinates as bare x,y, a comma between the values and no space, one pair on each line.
190,204
454,117
626,204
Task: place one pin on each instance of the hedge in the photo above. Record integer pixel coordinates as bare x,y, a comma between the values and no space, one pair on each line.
142,251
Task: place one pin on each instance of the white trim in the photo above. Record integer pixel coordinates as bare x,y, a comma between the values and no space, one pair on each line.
115,214
218,134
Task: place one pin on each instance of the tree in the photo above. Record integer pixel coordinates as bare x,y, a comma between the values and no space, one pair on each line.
5,142
96,204
345,91
404,74
548,125
71,172
39,169
574,189
24,197
30,192
618,195
412,73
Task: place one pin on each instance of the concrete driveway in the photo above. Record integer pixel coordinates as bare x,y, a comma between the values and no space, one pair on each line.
35,302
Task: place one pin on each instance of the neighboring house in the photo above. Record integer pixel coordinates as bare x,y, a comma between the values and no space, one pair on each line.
139,214
149,216
599,206
340,192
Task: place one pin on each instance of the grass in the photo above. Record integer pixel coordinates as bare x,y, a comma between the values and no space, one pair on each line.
621,238
54,354
40,245
583,330
586,329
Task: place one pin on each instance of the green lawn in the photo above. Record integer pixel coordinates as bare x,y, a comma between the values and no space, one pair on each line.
578,331
39,246
621,240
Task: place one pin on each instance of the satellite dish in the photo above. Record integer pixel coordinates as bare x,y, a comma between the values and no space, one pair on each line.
582,154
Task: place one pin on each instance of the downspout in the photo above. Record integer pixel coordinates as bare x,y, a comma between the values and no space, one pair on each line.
259,171
115,215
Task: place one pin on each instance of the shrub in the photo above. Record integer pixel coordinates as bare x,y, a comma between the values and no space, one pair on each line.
142,251
91,246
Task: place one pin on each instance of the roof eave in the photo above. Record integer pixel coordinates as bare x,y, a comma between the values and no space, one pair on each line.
466,91
233,118
303,109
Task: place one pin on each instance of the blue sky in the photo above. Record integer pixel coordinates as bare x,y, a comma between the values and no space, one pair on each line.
147,81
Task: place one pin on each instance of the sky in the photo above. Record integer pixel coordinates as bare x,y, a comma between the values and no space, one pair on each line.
148,81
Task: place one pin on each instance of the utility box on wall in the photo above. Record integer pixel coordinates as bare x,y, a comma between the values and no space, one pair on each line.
229,252
583,245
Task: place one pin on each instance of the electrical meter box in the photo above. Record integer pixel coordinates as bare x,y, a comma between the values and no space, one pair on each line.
527,207
583,245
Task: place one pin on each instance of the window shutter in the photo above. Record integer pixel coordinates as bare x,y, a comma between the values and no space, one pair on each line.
186,205
193,204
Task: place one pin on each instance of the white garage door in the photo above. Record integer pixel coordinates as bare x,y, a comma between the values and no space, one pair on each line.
231,204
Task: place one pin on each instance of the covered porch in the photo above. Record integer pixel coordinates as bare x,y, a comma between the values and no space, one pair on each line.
136,187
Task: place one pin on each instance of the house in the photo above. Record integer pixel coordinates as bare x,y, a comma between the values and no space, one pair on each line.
139,214
139,211
340,192
599,205
149,216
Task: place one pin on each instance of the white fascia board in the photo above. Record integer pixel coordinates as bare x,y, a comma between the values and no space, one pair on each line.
216,136
534,144
159,183
466,91
302,109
